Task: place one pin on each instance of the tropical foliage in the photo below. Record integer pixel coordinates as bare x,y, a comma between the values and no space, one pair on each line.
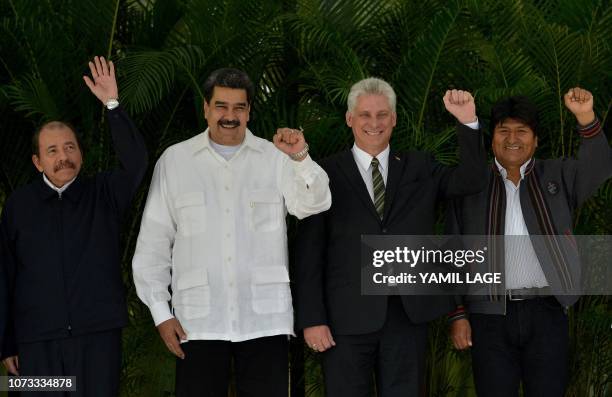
304,55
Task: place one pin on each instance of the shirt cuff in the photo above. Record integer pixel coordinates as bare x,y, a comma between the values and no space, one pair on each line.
459,313
160,312
590,130
473,125
305,169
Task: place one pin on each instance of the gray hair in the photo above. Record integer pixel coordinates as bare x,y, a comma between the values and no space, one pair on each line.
371,86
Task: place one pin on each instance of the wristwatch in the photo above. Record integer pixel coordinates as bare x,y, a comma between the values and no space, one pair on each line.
112,103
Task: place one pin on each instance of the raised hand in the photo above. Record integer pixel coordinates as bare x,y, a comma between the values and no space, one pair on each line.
461,105
289,141
104,84
172,334
580,102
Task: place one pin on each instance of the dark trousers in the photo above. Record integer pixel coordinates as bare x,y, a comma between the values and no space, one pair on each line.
94,359
529,344
394,355
261,368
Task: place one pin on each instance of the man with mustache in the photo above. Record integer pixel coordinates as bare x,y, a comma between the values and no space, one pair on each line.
214,231
378,191
519,332
60,265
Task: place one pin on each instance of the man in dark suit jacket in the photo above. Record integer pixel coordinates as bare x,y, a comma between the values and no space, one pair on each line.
60,266
519,331
376,191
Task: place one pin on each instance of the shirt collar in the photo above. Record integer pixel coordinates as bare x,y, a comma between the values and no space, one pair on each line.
364,159
202,141
59,190
504,173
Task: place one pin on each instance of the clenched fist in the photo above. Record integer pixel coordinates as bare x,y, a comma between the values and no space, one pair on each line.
290,141
460,104
580,102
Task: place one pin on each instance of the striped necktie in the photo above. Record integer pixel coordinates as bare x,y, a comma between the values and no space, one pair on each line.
378,186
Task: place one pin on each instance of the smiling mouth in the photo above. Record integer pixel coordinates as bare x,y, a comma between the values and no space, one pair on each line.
372,133
512,147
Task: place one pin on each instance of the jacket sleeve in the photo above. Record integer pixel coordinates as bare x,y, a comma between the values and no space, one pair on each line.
469,176
123,182
591,167
310,259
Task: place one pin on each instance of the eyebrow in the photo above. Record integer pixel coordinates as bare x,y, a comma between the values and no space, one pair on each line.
225,103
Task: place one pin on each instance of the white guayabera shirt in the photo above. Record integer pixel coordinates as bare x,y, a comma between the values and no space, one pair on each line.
214,231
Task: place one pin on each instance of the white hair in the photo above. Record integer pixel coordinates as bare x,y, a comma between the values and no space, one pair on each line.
371,86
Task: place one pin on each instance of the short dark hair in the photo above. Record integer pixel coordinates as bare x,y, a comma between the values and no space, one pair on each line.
53,125
230,78
515,107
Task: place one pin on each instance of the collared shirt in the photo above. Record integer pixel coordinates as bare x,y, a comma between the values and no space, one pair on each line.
59,190
522,267
214,231
364,164
226,151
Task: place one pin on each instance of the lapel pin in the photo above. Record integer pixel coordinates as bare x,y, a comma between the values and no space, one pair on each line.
552,187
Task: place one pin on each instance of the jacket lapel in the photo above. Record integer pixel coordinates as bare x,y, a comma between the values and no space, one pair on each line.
396,168
349,168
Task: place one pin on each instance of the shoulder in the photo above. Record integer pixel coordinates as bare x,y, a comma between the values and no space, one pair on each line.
181,150
336,159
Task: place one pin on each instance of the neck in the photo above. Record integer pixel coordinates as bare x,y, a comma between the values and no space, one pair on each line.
227,140
514,174
372,151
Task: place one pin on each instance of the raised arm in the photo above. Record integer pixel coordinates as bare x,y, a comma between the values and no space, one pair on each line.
128,142
304,184
468,177
593,163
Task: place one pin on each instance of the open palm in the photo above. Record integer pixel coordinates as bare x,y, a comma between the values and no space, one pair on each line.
104,84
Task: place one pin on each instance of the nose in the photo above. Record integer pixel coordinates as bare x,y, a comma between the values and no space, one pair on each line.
511,137
62,155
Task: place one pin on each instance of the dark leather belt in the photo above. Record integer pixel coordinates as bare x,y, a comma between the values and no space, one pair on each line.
528,293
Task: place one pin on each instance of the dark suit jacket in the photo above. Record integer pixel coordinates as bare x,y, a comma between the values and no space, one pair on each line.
565,184
60,263
327,261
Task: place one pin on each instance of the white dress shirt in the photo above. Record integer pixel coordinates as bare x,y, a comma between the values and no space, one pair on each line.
364,164
214,231
522,267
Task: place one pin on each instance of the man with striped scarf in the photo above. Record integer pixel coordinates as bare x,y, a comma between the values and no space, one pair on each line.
519,332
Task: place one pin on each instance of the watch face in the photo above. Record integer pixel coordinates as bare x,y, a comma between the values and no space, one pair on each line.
111,104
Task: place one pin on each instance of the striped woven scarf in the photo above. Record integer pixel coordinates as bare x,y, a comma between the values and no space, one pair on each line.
496,224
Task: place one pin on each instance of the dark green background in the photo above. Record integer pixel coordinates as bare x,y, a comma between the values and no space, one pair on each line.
304,56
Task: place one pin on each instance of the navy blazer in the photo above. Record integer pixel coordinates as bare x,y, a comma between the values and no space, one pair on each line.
60,261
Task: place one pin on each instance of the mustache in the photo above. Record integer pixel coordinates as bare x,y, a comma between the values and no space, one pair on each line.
229,123
64,164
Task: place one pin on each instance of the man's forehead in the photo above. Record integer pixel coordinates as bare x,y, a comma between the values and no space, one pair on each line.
61,133
373,102
229,95
512,122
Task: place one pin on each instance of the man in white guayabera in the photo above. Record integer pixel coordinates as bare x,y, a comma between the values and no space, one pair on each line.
214,231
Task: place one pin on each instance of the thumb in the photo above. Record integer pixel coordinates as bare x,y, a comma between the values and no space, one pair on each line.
180,332
330,337
276,138
90,84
